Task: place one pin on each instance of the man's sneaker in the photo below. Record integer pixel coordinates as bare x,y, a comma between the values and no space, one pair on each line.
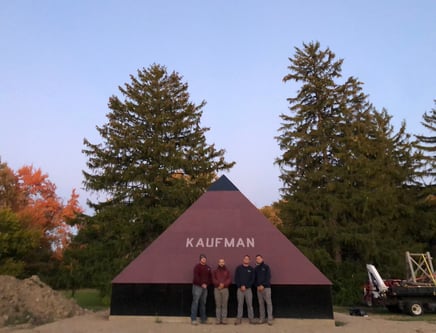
270,322
224,321
194,322
238,321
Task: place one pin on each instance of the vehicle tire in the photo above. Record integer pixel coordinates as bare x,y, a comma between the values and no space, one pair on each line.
414,308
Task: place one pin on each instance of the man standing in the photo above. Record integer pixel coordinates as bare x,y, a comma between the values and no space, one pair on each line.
262,281
221,280
202,278
244,279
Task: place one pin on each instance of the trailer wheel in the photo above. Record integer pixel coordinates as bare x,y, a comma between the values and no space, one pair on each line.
414,308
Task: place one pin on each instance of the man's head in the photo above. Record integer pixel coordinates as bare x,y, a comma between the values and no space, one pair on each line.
259,259
203,259
221,262
246,260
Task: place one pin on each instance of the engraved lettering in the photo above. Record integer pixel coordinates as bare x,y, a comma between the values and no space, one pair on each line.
189,242
209,242
220,242
229,242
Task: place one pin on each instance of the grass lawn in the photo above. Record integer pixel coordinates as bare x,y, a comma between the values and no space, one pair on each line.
88,299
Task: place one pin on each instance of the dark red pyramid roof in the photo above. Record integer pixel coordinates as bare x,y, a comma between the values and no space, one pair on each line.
222,223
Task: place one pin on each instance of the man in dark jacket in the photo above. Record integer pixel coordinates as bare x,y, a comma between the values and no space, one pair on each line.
202,278
244,279
262,281
221,280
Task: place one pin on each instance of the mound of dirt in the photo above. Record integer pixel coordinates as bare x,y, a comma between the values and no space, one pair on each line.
32,301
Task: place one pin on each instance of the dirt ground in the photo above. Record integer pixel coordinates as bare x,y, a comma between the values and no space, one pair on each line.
32,301
100,322
30,306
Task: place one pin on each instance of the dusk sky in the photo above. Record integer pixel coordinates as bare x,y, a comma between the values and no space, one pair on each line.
60,61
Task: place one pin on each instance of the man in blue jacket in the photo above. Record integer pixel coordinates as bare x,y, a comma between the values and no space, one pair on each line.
244,279
262,274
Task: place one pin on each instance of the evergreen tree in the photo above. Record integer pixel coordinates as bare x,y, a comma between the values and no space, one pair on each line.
427,144
427,181
153,163
343,170
154,147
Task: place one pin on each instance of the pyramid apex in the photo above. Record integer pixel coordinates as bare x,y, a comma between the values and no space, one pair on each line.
222,184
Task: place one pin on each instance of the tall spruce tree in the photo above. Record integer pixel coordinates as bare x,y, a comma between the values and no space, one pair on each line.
427,181
154,148
343,170
152,164
427,144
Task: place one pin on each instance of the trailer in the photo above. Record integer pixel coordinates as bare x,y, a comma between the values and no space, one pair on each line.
414,295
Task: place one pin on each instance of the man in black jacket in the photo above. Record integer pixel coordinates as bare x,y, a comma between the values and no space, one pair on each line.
262,274
244,279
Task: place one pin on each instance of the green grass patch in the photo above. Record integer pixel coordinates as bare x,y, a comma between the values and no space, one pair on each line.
88,299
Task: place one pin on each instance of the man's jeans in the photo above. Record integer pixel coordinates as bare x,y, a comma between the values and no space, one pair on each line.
199,296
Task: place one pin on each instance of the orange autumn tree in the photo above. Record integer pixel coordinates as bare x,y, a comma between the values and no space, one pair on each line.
272,213
42,210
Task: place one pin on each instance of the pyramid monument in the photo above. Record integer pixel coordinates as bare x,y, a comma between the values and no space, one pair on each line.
222,223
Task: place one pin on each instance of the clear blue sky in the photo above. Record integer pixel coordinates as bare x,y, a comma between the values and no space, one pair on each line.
60,61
